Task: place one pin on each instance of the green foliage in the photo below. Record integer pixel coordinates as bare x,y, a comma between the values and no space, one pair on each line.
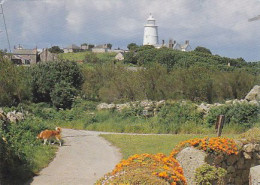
203,50
23,154
129,58
252,135
46,76
132,46
207,175
243,114
55,49
174,115
62,96
91,58
141,175
14,88
109,45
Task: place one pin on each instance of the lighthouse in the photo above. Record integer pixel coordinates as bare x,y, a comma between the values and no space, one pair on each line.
150,32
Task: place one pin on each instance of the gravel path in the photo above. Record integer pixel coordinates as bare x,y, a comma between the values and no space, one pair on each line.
83,159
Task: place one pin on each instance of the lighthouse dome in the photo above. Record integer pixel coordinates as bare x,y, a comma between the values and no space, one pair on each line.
151,18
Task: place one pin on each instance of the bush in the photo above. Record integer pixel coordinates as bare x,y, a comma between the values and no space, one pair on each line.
23,154
62,96
14,83
46,76
243,114
207,175
148,169
173,116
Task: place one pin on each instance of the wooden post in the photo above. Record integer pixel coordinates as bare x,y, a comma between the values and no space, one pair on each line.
219,124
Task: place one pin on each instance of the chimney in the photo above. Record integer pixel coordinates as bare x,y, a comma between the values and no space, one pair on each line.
163,42
170,43
187,42
174,42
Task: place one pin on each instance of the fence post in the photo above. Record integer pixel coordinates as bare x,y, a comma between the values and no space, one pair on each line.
219,124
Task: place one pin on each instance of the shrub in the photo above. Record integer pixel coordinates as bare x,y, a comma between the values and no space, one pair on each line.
14,83
62,96
173,116
207,175
46,76
215,145
23,154
252,135
244,114
160,168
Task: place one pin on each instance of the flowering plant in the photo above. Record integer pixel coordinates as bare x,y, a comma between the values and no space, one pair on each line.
158,166
215,145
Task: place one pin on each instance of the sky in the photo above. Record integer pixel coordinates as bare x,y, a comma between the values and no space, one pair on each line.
219,25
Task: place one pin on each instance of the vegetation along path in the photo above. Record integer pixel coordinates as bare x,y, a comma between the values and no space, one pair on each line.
83,159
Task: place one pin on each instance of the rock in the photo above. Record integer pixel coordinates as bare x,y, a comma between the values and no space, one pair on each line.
159,104
232,159
256,156
245,175
218,159
240,163
120,107
257,147
11,117
146,103
14,116
235,101
247,155
229,102
102,106
254,177
203,108
249,148
254,94
231,169
148,108
190,159
111,106
1,110
239,143
254,102
238,181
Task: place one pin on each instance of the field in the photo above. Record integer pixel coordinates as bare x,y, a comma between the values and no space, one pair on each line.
152,144
81,56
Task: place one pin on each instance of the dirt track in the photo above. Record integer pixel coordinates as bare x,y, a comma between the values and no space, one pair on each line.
84,158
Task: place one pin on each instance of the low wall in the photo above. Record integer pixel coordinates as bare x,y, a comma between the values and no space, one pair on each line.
237,166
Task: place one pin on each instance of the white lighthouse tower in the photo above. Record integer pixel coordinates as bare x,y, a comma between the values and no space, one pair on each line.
150,32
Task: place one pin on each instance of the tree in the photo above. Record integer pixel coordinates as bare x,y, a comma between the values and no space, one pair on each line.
62,95
56,49
130,58
46,76
13,88
202,49
109,45
132,46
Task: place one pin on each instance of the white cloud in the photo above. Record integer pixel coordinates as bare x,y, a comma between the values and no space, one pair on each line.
214,24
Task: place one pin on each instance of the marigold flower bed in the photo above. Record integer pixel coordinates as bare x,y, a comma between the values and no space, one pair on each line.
214,145
158,165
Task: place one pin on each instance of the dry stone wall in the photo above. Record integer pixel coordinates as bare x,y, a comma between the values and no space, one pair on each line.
237,166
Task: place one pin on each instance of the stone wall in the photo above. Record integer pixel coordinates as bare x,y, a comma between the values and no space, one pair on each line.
237,166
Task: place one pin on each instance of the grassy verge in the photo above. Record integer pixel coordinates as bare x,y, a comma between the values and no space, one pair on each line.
138,144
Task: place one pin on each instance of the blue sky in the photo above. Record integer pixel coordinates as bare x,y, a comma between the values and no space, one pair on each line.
220,25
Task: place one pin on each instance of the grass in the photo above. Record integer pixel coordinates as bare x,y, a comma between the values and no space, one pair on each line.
138,144
80,56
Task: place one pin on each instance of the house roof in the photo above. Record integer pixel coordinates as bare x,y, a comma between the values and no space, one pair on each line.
25,52
21,57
